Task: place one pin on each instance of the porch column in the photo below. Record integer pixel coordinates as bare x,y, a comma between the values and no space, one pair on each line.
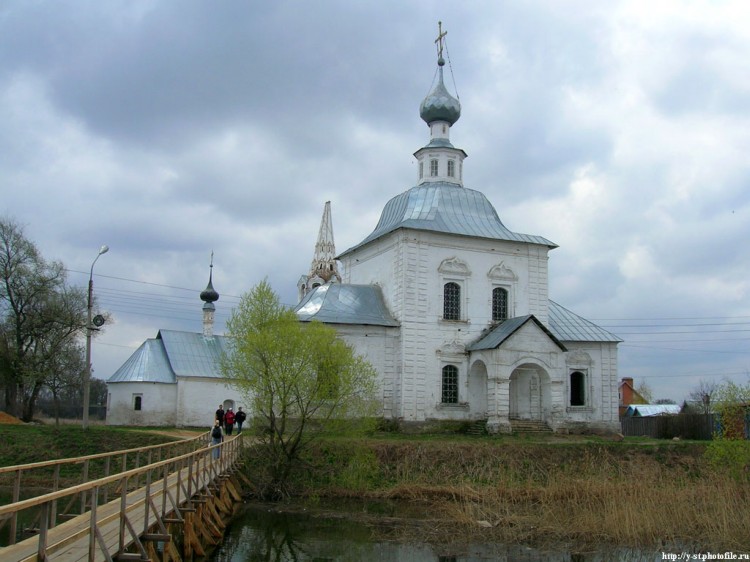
498,404
557,410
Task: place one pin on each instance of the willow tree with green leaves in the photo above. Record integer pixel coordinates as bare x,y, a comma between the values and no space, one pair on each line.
300,379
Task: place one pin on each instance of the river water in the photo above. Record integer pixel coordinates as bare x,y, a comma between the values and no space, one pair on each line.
263,532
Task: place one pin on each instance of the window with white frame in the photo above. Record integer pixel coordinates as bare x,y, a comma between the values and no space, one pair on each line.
433,168
449,385
451,301
421,170
451,168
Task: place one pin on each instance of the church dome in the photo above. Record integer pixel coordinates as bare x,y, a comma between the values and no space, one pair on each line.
447,208
209,294
439,105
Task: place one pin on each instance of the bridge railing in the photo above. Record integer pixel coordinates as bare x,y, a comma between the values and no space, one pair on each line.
33,479
168,485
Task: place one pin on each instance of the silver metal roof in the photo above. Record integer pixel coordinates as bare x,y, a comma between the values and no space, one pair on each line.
148,364
495,337
568,326
172,354
564,326
337,303
645,410
193,355
445,207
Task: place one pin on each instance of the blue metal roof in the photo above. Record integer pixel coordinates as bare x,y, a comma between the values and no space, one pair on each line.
172,354
506,329
445,207
337,303
568,326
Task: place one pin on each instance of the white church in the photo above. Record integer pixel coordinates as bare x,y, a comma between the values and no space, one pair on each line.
450,307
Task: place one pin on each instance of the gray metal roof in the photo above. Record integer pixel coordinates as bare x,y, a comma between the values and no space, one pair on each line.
568,326
193,355
564,326
495,337
172,354
148,364
646,410
445,207
337,303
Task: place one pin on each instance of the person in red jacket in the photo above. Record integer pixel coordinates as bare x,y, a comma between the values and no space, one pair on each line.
229,421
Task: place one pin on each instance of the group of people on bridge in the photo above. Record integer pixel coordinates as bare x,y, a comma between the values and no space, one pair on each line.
224,425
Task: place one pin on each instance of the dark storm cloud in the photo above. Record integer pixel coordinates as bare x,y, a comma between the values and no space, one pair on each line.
170,129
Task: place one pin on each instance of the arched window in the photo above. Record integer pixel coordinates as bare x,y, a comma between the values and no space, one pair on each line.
137,402
433,168
450,385
451,301
499,304
451,168
577,389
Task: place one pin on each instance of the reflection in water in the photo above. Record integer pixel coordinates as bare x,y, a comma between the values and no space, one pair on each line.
258,534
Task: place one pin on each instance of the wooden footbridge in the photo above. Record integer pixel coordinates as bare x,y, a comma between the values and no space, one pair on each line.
161,503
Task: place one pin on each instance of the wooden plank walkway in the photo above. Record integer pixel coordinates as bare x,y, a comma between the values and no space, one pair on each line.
118,527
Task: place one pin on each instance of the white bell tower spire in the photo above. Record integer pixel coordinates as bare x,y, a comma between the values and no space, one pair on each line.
323,268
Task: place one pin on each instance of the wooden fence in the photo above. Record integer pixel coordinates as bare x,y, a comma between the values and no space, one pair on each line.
35,479
684,426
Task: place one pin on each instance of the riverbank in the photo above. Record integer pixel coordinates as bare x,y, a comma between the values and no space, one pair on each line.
547,490
638,494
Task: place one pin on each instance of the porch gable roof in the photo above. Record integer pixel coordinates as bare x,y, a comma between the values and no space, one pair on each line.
503,331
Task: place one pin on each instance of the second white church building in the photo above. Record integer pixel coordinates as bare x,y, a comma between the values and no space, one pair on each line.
452,308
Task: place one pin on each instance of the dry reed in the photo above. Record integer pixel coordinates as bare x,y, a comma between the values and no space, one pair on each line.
641,496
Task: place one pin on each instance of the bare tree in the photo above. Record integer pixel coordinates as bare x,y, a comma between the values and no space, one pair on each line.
40,315
66,376
645,391
703,395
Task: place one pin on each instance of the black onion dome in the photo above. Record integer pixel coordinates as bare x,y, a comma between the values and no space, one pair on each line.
209,294
439,105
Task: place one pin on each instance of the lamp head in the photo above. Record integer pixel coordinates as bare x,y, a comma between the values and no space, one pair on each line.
103,250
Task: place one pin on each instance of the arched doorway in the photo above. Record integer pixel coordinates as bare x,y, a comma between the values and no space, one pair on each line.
529,393
478,390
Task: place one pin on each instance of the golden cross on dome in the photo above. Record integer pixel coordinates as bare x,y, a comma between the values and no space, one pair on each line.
439,40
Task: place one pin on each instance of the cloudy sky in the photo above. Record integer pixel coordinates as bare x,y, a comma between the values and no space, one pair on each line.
166,129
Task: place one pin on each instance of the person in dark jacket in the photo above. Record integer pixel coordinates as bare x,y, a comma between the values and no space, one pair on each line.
220,415
240,417
217,436
229,421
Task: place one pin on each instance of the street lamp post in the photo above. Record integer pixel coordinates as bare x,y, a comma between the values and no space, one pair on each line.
87,373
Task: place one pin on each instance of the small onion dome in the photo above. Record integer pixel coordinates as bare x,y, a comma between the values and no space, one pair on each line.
439,105
209,294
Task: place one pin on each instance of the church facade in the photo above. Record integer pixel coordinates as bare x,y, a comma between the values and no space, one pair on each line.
449,305
452,308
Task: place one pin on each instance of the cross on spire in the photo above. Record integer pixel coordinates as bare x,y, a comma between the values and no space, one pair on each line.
439,40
